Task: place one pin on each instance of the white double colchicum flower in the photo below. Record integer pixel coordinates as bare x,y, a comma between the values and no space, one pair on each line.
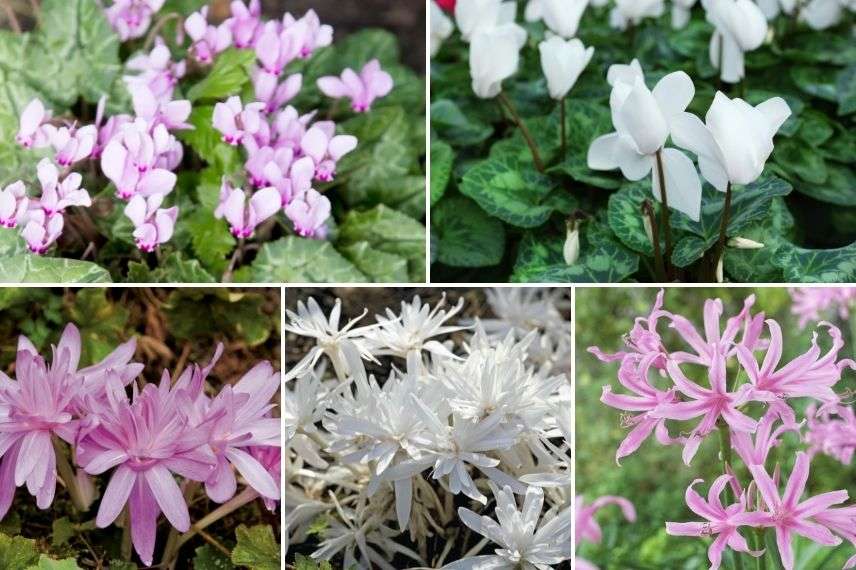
475,15
643,120
740,26
735,141
494,57
441,28
562,62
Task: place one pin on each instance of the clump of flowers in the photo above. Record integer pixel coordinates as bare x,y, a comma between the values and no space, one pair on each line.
56,415
714,379
811,303
467,412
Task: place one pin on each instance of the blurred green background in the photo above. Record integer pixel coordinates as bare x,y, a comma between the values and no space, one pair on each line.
654,478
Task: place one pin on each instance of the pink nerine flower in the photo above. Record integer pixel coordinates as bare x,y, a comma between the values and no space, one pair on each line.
766,438
131,18
31,132
147,441
720,521
244,217
809,375
273,94
586,528
643,339
371,83
326,148
810,302
208,40
787,515
13,204
245,23
235,121
843,523
832,431
710,403
37,406
633,375
308,213
42,230
57,196
153,225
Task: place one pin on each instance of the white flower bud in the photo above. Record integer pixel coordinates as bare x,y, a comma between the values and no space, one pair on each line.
572,244
744,243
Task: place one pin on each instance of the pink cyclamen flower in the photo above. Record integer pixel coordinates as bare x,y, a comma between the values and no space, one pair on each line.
643,339
710,404
633,375
810,302
787,515
108,128
289,126
309,33
31,133
37,406
236,121
244,217
714,340
293,179
208,40
245,23
72,144
242,421
586,528
147,440
720,521
131,18
277,47
153,225
273,94
832,431
372,83
57,196
808,375
156,71
131,159
42,230
326,148
171,114
309,212
13,204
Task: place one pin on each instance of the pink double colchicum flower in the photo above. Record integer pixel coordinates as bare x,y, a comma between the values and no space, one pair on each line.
723,405
131,19
245,215
153,225
362,89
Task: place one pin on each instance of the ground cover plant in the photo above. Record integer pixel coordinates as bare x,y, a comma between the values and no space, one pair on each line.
649,140
173,141
118,449
727,420
435,434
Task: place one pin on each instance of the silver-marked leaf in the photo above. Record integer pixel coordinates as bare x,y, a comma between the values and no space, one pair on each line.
817,265
465,235
28,268
299,260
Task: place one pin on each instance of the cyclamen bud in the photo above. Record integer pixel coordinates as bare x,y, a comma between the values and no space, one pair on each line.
744,243
571,250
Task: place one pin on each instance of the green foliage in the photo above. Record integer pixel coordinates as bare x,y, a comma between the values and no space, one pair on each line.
256,549
465,235
479,151
294,259
241,315
230,73
306,563
209,558
27,268
17,553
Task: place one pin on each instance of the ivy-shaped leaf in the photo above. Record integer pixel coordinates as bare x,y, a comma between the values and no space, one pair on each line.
817,265
465,235
757,265
256,549
389,231
442,160
381,267
230,73
28,268
299,260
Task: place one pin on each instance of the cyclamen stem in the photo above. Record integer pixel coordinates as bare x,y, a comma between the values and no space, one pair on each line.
153,33
564,134
723,227
664,216
236,258
648,211
66,472
524,130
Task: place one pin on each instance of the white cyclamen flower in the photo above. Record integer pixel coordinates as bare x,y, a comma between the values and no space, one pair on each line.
735,141
772,8
494,57
681,12
474,15
563,62
631,12
642,120
524,543
441,28
740,27
822,14
563,16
